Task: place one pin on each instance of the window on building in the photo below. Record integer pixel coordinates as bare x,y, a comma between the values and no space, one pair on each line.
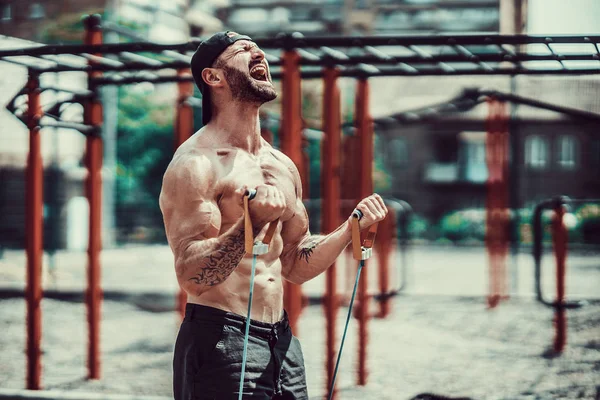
36,11
472,157
6,12
567,151
536,152
398,153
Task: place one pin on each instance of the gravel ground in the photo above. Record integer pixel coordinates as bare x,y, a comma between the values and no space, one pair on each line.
431,270
445,345
439,339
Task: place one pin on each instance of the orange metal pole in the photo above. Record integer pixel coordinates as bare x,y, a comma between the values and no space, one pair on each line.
93,159
497,213
504,196
365,176
291,145
560,238
491,124
34,205
384,246
184,125
330,178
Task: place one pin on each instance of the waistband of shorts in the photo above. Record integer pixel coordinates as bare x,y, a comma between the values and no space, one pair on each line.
211,314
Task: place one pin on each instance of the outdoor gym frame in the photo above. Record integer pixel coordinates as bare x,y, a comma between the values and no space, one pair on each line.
292,58
560,240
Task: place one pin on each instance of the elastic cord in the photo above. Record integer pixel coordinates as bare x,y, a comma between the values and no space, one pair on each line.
246,334
337,364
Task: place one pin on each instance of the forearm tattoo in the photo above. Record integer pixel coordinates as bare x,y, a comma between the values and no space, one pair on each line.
221,263
305,252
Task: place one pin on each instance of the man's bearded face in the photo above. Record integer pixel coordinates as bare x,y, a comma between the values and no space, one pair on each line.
253,85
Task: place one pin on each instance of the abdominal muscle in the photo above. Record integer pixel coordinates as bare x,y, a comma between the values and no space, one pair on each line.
232,294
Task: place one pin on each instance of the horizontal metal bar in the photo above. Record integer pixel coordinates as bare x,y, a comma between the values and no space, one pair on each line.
420,52
85,129
310,42
108,62
136,58
420,40
379,54
61,61
351,60
80,93
398,70
126,66
177,56
107,48
513,98
307,55
272,59
112,80
33,67
454,58
464,52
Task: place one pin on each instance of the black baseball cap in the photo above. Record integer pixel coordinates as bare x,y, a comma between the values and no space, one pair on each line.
204,57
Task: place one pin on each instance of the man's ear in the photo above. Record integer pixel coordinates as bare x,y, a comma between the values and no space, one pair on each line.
212,77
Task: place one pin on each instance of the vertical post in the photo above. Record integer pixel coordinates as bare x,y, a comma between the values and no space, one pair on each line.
497,214
384,246
93,161
291,145
503,195
34,206
365,177
330,210
560,238
184,125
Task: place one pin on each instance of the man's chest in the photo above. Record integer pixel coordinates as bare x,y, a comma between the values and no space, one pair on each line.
241,170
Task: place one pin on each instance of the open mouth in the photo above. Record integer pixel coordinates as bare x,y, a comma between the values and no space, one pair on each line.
259,73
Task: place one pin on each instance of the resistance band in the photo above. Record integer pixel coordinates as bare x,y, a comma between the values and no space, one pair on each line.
255,248
360,252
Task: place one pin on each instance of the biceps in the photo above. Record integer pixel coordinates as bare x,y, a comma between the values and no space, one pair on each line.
195,221
293,233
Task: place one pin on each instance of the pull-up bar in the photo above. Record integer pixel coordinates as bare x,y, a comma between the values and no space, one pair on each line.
355,56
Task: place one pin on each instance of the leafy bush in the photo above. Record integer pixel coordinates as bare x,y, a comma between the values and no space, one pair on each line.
418,227
588,228
144,150
463,225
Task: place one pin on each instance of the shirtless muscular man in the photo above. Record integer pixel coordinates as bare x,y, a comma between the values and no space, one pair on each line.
202,206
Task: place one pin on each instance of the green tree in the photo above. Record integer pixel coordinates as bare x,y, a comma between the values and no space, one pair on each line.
145,143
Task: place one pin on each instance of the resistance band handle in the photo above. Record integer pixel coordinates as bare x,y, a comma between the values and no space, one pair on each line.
251,193
362,251
249,230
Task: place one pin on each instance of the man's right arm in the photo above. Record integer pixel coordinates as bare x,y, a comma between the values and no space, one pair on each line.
203,258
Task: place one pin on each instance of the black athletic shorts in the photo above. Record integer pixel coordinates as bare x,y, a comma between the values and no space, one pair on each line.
207,363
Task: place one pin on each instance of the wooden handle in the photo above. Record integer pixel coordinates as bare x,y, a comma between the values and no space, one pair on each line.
249,230
270,231
357,246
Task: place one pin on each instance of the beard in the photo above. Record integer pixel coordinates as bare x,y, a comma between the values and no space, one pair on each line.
245,89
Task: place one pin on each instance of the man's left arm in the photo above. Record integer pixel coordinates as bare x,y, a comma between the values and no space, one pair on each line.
304,255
